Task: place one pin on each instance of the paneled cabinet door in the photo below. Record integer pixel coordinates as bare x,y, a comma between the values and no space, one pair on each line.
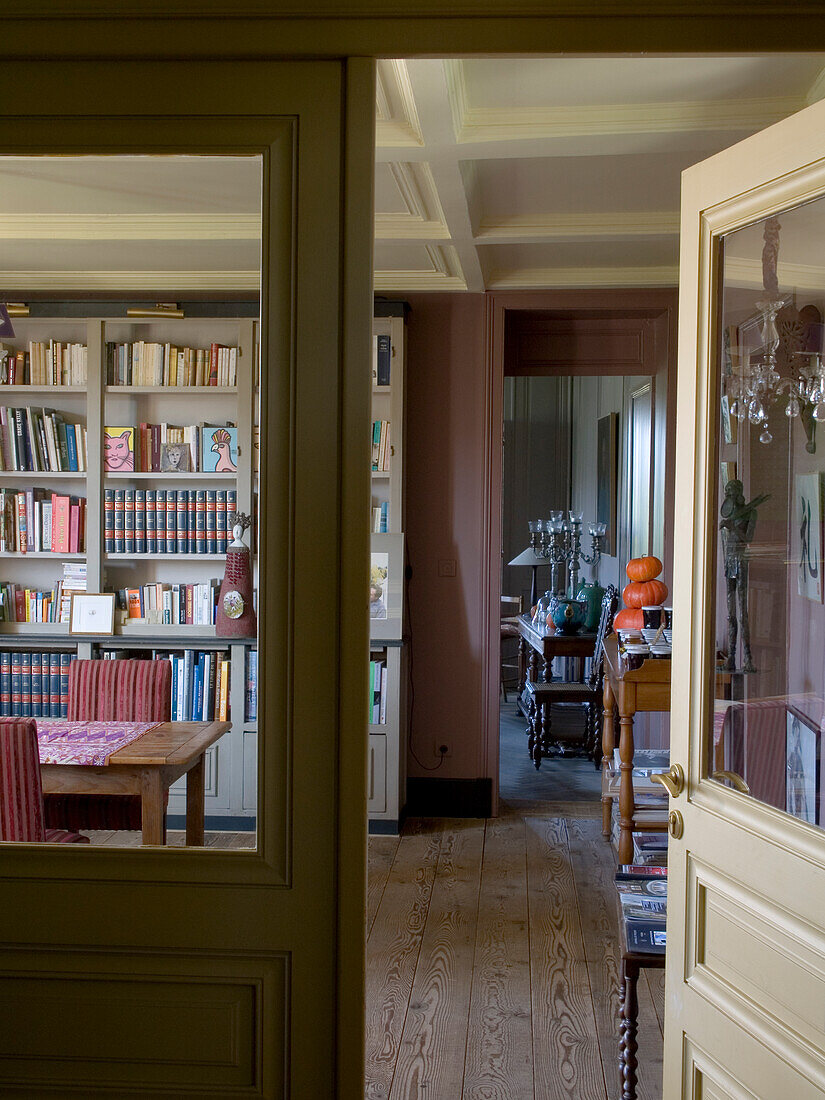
746,866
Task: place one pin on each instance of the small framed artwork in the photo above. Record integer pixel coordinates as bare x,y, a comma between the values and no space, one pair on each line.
802,763
219,450
386,592
118,450
808,536
174,458
607,464
92,613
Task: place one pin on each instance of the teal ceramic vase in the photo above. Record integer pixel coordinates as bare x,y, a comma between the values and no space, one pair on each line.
592,594
568,615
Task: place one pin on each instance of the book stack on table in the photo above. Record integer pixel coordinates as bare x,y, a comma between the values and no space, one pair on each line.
643,904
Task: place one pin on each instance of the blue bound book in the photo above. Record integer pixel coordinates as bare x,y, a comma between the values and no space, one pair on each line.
5,684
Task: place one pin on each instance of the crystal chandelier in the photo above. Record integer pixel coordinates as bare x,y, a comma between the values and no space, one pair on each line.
759,385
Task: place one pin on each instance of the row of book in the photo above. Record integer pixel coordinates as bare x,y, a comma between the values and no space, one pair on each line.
251,686
643,900
167,521
19,604
381,360
40,521
171,604
44,364
378,692
381,450
34,684
144,363
41,440
200,681
381,518
171,448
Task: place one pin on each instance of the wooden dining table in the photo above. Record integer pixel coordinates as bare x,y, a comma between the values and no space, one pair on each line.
147,767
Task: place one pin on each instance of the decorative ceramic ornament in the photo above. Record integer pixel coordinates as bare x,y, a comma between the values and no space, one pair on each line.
236,612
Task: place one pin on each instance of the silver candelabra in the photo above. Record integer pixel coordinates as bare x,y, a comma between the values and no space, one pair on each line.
558,539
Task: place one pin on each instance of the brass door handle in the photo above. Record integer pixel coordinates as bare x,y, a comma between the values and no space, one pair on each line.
673,780
735,780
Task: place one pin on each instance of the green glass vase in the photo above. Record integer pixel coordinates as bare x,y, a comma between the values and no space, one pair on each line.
592,595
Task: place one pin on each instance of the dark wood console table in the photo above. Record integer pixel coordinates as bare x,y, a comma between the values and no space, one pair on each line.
632,963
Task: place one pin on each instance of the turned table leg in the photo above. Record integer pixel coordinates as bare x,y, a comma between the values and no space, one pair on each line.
607,755
628,1062
627,707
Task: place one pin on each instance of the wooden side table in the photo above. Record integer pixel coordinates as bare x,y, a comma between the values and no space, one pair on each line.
633,962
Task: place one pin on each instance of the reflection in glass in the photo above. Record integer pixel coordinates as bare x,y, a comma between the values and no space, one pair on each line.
769,620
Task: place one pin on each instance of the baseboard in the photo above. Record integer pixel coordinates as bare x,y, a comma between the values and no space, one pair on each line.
383,828
428,797
215,823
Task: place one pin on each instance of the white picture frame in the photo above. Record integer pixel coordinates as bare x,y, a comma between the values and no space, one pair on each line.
92,613
808,535
387,574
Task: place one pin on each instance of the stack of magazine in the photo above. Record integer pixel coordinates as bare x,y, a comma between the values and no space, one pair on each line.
650,798
643,902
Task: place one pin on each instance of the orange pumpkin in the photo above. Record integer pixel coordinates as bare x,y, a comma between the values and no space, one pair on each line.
645,593
629,618
643,569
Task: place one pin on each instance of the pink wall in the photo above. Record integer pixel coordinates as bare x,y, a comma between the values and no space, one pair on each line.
444,497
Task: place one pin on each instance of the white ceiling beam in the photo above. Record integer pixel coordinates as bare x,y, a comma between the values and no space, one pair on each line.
550,278
538,229
396,113
444,273
429,87
130,227
423,218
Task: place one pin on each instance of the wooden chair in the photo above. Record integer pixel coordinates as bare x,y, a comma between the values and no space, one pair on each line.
510,670
21,788
119,691
541,696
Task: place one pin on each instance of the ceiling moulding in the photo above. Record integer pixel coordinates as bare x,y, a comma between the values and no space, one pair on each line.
424,219
481,124
130,227
748,273
396,118
445,274
550,227
131,280
558,278
817,89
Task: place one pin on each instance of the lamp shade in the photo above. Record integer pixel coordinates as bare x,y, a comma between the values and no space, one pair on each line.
529,557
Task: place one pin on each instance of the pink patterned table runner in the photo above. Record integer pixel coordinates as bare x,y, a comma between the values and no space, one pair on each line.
86,742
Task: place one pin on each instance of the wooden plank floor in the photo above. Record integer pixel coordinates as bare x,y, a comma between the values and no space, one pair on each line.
492,965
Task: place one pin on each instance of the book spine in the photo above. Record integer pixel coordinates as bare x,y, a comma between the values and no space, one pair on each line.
37,686
160,521
16,684
384,360
45,686
109,520
220,520
151,518
201,506
129,522
65,661
5,684
140,521
191,521
26,684
181,533
120,521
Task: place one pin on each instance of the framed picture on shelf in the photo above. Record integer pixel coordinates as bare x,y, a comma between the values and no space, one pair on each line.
802,763
118,450
808,538
174,458
607,463
92,613
386,592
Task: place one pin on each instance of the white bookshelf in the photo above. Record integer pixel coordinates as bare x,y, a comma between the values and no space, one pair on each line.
231,770
386,776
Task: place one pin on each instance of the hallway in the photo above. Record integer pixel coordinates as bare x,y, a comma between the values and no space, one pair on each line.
492,966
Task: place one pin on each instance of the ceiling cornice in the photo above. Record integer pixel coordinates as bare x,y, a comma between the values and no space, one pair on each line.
817,89
131,280
396,121
424,219
553,278
445,273
480,124
748,273
130,227
527,229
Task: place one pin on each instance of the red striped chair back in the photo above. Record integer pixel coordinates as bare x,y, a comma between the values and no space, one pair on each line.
21,791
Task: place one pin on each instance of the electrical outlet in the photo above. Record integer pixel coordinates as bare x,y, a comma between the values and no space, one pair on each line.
442,748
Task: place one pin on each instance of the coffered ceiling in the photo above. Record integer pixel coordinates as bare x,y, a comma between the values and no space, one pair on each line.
558,172
491,173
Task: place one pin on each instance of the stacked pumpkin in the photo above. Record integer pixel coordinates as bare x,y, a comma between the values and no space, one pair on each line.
644,590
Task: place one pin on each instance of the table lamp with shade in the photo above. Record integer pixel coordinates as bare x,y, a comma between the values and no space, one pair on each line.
534,560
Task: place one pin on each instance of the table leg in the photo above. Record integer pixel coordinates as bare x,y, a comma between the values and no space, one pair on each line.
151,807
626,797
194,804
628,1062
533,665
607,755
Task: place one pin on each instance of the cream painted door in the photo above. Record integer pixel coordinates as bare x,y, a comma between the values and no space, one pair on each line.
746,929
203,973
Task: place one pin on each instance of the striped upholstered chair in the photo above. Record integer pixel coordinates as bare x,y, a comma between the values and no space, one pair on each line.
21,790
122,691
